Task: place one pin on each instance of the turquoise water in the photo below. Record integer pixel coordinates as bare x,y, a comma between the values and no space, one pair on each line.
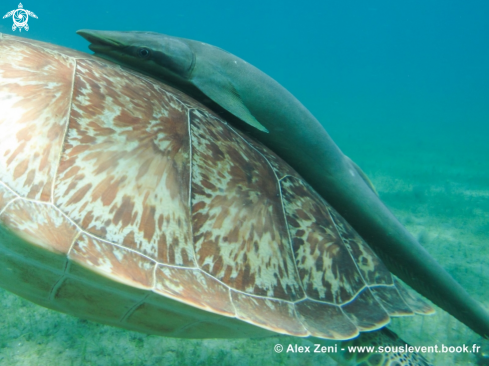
402,88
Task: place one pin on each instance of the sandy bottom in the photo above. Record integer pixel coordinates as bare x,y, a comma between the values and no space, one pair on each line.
439,191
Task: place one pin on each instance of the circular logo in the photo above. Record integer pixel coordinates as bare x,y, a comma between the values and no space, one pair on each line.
278,348
20,18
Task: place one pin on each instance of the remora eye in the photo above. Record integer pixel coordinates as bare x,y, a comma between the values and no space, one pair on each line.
144,52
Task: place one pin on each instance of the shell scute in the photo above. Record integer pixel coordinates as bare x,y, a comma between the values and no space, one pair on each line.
416,303
326,269
391,300
35,111
281,170
325,320
372,270
366,312
112,261
124,177
238,223
276,315
40,224
6,196
194,287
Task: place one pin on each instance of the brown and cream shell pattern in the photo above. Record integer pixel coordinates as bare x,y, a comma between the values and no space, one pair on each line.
124,201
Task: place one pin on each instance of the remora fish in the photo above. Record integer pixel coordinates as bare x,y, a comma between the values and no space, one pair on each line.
243,93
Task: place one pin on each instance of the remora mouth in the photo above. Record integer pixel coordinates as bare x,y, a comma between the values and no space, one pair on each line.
99,48
98,38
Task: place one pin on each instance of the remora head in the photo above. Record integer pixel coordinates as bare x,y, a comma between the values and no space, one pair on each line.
156,54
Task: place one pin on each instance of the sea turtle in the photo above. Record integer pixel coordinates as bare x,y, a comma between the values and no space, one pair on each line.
124,201
240,92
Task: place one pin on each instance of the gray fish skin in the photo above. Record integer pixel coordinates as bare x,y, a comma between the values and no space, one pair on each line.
224,81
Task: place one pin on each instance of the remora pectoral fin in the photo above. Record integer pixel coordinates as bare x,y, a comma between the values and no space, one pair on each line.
363,175
223,92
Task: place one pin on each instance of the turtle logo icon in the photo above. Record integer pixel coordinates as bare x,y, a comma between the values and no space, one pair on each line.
20,17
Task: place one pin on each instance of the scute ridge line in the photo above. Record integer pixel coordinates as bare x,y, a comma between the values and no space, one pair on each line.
348,318
9,203
190,205
300,320
168,296
10,189
83,231
290,240
75,238
356,265
255,149
174,266
236,316
155,267
275,298
402,298
88,233
63,141
281,202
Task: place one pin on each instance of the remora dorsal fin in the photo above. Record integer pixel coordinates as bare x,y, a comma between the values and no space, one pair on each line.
222,91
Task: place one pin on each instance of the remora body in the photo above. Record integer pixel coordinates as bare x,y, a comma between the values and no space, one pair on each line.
242,93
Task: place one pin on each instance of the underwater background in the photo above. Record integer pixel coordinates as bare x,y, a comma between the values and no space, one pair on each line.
403,89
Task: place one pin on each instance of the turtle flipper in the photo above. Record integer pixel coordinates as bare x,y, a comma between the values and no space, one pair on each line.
380,338
9,14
